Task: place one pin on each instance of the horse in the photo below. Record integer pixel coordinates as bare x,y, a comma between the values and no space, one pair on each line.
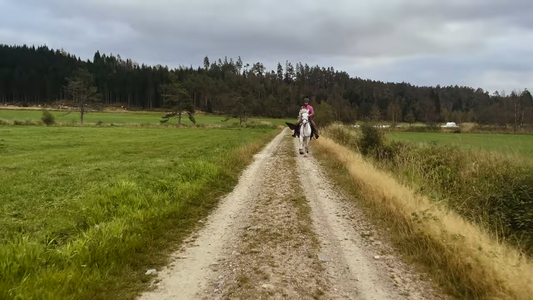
305,132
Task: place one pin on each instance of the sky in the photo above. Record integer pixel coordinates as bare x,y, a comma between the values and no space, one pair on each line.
479,43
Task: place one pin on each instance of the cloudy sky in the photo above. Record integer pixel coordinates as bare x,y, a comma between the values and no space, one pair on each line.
479,43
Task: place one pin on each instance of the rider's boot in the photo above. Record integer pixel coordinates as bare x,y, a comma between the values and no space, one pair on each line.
296,130
315,132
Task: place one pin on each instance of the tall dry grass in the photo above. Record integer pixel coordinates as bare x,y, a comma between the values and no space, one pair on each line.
490,189
460,256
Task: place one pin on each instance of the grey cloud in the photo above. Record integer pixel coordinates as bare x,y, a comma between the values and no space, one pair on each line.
508,72
459,37
324,29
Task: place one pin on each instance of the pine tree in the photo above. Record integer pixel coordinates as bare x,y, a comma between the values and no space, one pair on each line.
176,98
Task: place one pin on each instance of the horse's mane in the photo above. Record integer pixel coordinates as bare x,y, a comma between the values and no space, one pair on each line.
302,111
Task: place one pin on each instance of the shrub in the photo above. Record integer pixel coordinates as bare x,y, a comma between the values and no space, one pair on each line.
324,115
371,141
48,118
343,136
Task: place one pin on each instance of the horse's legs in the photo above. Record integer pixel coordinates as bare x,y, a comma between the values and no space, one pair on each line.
301,138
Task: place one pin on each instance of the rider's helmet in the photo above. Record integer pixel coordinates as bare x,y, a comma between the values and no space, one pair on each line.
306,100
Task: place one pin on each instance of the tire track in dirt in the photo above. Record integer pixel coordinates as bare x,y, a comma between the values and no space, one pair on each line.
277,257
359,265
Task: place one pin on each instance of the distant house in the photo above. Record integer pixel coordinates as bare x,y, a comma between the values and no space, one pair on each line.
450,125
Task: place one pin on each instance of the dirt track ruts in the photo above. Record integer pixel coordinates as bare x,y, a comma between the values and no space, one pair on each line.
285,233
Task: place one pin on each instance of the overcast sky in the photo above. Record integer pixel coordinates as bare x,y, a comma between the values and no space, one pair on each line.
479,43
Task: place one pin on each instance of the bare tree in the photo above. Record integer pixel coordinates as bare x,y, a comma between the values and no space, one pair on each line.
85,96
241,107
410,118
394,112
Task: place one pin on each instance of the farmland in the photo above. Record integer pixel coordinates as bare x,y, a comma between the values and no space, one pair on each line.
85,210
140,117
503,143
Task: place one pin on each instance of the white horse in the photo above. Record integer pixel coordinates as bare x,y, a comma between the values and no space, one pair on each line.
305,131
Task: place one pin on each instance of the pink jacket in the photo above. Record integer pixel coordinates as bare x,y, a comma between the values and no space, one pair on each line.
310,108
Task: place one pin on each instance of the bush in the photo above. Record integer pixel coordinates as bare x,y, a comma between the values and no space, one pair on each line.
371,141
48,118
324,115
343,136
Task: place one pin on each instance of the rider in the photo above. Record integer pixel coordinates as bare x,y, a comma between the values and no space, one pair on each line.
311,113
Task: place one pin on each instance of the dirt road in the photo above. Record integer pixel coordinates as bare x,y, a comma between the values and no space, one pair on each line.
286,233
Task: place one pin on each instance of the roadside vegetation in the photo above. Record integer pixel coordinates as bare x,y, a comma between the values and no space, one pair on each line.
85,211
463,214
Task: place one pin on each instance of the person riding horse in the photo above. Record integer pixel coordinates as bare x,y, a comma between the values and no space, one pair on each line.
311,113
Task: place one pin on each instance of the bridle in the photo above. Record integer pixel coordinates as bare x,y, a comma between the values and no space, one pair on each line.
305,119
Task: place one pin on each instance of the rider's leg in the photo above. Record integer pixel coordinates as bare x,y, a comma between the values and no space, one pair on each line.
297,130
314,128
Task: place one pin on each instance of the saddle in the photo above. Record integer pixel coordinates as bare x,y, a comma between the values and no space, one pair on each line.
295,128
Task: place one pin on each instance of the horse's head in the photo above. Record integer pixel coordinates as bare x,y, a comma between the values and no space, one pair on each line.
304,114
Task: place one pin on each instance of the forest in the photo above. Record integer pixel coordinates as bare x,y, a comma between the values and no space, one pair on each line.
32,75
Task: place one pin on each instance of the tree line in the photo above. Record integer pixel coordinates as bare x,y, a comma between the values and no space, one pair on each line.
32,75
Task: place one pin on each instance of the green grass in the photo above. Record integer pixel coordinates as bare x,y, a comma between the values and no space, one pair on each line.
84,211
122,117
504,143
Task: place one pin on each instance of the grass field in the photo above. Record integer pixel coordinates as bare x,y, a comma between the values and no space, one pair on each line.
505,143
85,211
121,117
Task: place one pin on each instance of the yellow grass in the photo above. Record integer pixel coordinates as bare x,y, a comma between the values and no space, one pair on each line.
467,127
460,256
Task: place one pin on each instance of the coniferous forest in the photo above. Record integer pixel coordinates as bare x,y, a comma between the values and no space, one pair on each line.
38,75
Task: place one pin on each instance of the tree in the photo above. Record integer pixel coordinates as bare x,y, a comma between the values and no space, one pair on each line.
394,112
280,72
206,63
525,103
176,98
436,110
410,117
240,107
375,114
84,95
